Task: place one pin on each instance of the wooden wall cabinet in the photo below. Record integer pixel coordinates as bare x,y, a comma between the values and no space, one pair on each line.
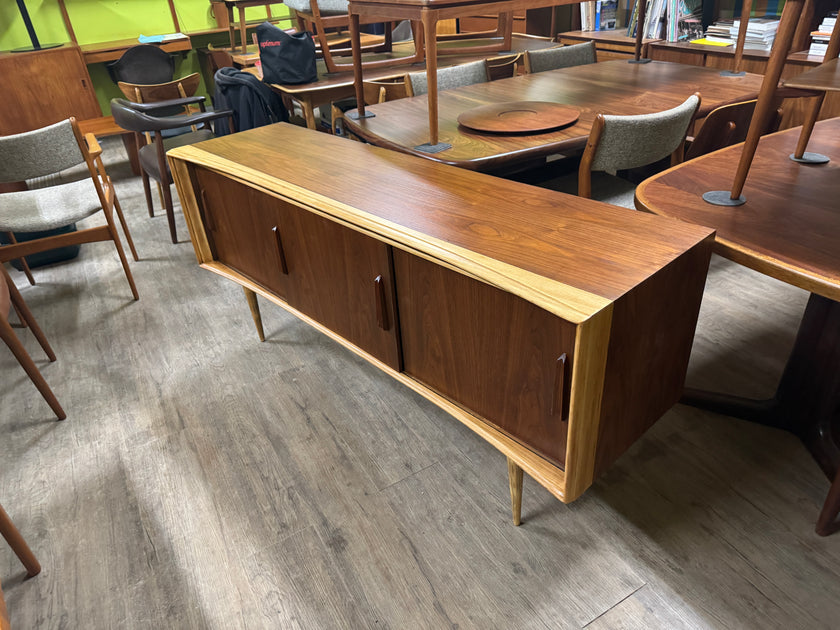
557,328
44,87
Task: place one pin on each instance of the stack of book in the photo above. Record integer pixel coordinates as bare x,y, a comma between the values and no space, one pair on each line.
598,15
720,32
761,32
820,37
655,19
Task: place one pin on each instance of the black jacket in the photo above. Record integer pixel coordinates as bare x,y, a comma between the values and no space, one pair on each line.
254,104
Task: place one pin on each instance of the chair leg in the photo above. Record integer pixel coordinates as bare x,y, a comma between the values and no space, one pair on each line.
26,316
24,265
18,544
170,211
128,238
11,339
112,230
147,190
826,522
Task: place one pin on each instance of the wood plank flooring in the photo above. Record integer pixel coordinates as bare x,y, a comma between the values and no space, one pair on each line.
206,480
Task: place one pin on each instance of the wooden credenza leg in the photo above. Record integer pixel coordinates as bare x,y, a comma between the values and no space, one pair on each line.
515,479
826,522
255,311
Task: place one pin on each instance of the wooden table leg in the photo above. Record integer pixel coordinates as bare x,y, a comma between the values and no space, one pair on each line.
243,30
515,480
255,311
231,29
799,155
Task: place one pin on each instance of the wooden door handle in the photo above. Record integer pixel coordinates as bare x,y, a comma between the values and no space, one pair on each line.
559,384
209,223
281,255
381,304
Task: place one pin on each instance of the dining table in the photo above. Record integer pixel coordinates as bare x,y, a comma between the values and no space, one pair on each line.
610,87
788,228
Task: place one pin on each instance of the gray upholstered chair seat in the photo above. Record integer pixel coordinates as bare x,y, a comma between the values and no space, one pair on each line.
605,187
326,7
48,208
148,153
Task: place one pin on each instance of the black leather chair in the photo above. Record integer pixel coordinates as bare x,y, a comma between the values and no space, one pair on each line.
145,64
141,118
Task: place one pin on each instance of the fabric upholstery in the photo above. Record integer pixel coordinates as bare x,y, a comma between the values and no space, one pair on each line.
561,57
326,7
633,141
452,77
40,152
48,208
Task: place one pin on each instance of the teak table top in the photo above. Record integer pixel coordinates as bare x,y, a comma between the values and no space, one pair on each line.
824,77
612,87
789,228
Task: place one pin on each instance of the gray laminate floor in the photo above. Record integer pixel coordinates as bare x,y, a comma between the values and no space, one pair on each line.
206,480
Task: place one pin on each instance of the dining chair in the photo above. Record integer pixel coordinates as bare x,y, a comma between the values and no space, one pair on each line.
449,78
142,119
725,126
560,57
50,153
503,67
321,16
625,142
12,536
143,64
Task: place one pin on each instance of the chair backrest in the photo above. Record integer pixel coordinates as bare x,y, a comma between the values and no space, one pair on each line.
449,78
624,142
152,93
23,155
725,126
144,64
503,67
385,90
560,57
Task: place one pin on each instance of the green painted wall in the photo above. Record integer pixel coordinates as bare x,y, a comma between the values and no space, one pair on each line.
108,20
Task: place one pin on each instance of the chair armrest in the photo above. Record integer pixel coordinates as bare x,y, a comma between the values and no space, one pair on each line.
94,149
148,108
174,122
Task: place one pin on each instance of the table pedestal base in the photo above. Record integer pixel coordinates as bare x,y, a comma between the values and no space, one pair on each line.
807,401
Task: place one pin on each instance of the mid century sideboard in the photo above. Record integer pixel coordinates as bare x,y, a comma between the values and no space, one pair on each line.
557,328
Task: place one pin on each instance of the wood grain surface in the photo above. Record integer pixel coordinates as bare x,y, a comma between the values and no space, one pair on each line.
506,237
203,480
612,87
789,228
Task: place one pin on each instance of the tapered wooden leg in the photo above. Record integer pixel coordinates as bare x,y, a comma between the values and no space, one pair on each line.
128,238
826,523
255,311
18,544
147,191
26,316
170,211
23,264
515,479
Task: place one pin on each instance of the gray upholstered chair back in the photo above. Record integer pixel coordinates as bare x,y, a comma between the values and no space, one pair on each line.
326,7
560,57
633,141
449,78
38,153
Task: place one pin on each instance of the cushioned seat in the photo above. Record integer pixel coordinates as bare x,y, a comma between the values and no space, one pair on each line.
48,208
149,157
